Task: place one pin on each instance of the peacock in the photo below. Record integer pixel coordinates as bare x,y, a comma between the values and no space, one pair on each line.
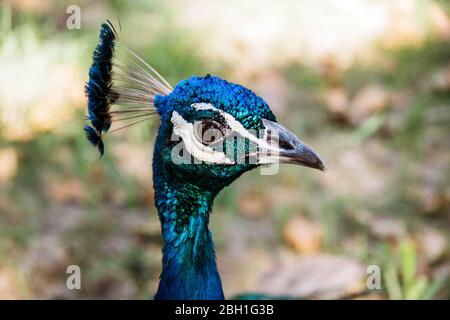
211,132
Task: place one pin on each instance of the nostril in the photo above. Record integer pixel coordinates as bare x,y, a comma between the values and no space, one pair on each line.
286,145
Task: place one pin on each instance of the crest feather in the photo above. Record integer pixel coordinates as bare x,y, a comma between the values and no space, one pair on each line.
121,87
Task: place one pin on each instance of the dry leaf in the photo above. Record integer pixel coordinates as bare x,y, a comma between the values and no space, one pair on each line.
253,204
369,100
9,163
323,276
67,191
432,243
337,102
303,235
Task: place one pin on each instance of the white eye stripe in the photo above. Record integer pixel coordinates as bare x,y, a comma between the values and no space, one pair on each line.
185,130
235,125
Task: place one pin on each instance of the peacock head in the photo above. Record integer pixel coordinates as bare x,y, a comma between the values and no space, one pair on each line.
212,131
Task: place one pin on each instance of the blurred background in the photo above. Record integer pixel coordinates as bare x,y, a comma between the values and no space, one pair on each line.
366,82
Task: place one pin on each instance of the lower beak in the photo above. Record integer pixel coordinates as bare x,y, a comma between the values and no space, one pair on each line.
285,147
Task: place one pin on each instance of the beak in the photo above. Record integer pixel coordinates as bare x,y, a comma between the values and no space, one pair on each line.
284,146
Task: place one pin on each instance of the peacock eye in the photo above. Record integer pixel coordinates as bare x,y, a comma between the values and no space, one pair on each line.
209,131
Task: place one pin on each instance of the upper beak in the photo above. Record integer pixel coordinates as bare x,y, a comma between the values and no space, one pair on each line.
285,147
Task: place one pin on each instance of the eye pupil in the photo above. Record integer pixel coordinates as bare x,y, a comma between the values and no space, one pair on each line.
209,131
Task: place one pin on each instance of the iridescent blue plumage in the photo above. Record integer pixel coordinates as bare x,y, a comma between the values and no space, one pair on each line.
98,88
232,98
94,138
184,193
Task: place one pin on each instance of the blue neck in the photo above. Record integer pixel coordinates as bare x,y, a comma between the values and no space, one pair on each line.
189,266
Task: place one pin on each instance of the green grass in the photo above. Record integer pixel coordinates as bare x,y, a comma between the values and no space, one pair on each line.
401,276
